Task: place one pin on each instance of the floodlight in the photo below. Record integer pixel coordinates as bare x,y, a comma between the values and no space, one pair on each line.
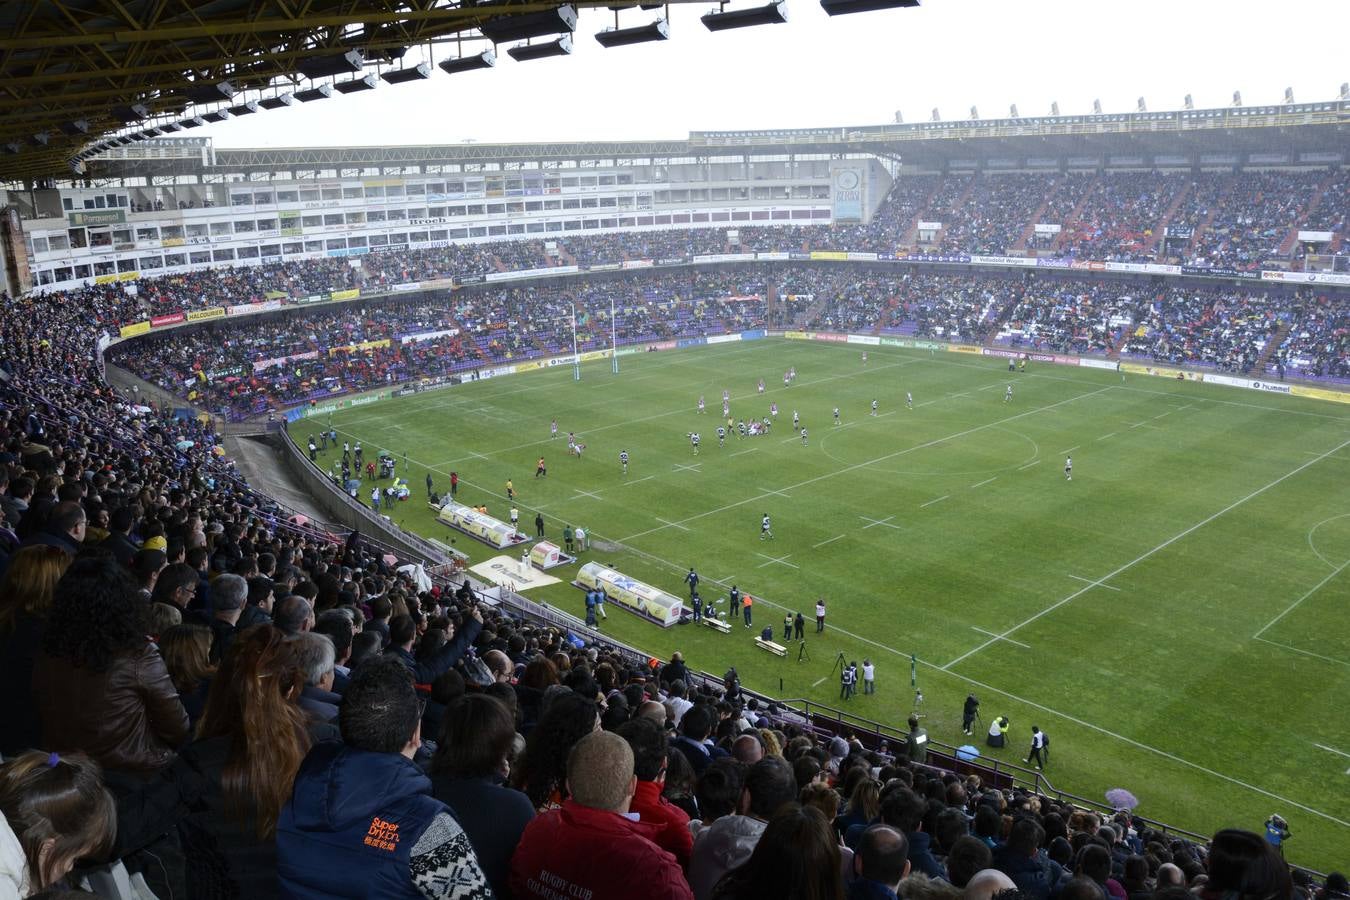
210,93
247,108
403,76
218,115
130,113
320,92
364,83
328,66
13,147
79,126
526,52
277,102
844,7
40,139
1012,112
532,25
773,14
640,34
485,60
1054,108
170,127
1188,103
192,122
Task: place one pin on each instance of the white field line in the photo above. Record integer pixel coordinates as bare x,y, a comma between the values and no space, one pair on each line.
966,681
778,493
931,502
1105,436
1034,462
1067,452
1091,582
747,450
1315,588
592,495
983,483
770,560
1009,640
873,523
1330,659
670,523
827,541
639,480
1334,750
889,456
1164,545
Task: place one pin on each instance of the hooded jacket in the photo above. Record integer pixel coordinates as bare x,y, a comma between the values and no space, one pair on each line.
674,835
362,824
579,851
721,847
1034,875
13,863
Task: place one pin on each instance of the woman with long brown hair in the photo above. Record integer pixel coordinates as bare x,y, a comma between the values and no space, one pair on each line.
250,742
796,858
25,599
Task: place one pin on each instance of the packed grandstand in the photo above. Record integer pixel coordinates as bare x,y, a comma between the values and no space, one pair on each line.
303,685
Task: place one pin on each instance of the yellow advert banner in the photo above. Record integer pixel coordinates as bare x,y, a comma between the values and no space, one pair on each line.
594,354
345,295
529,366
360,348
829,254
963,348
201,315
1161,372
134,329
1299,390
797,335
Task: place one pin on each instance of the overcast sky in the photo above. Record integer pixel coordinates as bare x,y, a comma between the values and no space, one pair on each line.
850,70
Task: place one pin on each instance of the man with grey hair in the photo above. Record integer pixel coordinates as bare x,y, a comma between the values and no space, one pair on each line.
229,594
1170,875
589,847
315,655
293,615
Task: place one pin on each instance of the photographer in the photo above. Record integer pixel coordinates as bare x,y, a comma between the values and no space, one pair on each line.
1277,832
970,713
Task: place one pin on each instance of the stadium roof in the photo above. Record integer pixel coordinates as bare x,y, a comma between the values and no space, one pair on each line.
73,71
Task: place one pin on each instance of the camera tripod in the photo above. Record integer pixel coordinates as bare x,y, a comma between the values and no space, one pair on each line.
801,651
839,663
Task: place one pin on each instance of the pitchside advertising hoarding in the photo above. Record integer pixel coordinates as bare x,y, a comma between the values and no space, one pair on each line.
650,602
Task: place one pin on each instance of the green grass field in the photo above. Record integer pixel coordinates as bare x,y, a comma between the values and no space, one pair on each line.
1175,616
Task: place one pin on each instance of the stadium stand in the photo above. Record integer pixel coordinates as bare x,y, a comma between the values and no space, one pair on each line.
113,508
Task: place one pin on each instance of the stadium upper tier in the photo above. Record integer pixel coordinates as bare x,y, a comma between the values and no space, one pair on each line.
1242,220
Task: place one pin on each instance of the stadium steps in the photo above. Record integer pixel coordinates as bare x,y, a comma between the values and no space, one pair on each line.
1161,225
1208,220
1290,239
959,203
1272,344
911,231
1020,245
1075,214
807,315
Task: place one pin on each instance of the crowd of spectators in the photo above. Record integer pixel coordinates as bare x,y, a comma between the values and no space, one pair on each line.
1071,315
997,213
1116,222
1318,342
1252,216
1218,327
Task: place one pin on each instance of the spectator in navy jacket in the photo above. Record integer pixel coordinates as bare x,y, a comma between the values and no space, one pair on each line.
403,634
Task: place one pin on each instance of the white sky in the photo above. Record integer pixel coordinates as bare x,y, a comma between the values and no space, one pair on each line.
849,70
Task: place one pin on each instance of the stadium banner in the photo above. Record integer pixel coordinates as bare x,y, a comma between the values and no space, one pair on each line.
529,366
1147,268
772,257
665,345
240,309
723,257
588,356
598,267
723,338
637,263
428,335
690,342
493,532
1047,262
468,279
1161,372
1299,390
1046,228
936,258
829,336
1088,265
1002,261
171,319
649,602
929,226
797,335
1088,363
861,257
797,255
673,261
530,273
105,279
312,298
275,295
560,360
965,348
1273,387
628,351
344,295
1306,277
436,284
134,329
752,335
1317,237
405,287
264,364
870,340
911,344
359,348
1005,354
202,315
1218,272
836,255
1053,358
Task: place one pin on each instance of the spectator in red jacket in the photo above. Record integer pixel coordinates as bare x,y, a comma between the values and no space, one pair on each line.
650,753
590,847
